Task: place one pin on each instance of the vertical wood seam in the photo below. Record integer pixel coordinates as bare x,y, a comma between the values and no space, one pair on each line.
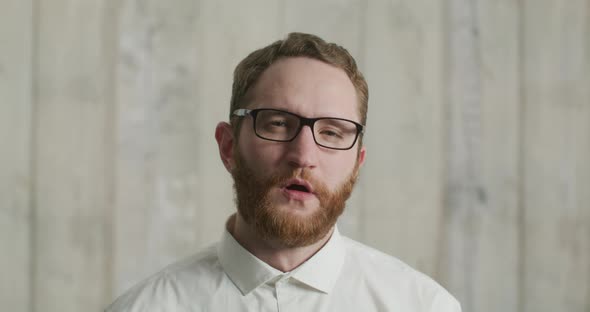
34,89
442,253
521,200
473,150
587,78
362,41
110,44
463,183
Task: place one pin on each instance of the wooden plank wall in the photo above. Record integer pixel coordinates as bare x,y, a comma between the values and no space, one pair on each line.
16,141
73,156
478,141
555,155
481,254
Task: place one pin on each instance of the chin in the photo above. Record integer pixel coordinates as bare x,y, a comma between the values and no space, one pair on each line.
298,211
296,208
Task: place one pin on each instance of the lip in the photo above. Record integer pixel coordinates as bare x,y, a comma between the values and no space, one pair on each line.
298,195
306,184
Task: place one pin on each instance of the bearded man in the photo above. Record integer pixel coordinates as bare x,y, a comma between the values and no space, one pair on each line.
293,146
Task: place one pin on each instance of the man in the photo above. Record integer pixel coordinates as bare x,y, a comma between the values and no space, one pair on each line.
294,148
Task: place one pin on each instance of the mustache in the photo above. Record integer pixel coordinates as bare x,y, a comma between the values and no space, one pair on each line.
299,173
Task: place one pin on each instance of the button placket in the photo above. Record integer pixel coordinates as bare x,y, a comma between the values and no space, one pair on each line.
281,290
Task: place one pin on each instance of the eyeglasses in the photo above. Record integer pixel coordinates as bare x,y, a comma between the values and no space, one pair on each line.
281,126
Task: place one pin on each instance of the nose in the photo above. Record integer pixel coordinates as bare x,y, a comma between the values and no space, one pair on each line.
302,152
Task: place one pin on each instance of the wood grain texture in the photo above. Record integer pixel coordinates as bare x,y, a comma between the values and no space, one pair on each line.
556,153
464,173
482,231
402,190
155,206
72,186
497,216
16,109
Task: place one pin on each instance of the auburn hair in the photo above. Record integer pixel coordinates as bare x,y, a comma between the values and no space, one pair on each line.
295,45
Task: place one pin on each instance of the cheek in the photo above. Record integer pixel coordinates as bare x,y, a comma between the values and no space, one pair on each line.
257,155
337,169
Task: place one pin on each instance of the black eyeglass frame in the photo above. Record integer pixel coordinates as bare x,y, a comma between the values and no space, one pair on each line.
303,121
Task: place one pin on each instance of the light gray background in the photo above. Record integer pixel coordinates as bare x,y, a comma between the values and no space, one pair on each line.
478,138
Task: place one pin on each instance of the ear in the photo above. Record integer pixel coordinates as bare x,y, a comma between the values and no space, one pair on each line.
361,156
225,141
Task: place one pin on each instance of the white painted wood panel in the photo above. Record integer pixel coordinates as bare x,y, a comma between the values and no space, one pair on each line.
402,179
73,117
156,174
556,43
481,246
16,109
496,219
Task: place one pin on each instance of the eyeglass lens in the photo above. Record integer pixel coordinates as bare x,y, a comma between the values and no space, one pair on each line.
283,126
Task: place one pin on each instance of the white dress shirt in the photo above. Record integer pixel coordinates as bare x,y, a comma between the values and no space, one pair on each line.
344,275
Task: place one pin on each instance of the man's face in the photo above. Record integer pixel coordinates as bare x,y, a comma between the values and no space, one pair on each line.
293,192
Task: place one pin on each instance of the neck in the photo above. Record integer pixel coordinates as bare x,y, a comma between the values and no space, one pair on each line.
275,254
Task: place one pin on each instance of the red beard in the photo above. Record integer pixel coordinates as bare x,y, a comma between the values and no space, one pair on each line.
269,223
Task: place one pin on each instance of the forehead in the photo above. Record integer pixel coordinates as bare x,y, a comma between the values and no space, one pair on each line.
307,87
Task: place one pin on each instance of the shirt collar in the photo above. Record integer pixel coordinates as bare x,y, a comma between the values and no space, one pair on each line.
243,268
248,272
322,270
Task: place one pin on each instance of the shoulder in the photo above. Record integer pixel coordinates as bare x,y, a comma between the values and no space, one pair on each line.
168,289
370,260
380,271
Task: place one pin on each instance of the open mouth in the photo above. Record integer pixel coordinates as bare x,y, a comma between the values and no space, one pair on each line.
297,187
298,190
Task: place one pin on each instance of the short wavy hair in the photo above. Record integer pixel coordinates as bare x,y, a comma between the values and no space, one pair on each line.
296,45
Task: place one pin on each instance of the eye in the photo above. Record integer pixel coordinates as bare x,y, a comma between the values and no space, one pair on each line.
277,123
333,133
